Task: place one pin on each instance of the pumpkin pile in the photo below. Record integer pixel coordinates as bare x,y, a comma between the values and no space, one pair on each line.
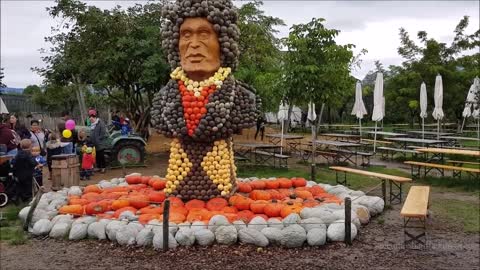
129,211
144,195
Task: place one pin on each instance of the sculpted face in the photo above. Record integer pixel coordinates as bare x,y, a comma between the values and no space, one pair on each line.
199,48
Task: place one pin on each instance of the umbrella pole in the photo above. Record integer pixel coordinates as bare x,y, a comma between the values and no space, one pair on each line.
463,124
423,131
438,129
312,166
360,128
478,132
375,138
281,139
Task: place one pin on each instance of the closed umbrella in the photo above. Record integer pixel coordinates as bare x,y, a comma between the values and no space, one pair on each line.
359,109
472,92
423,106
377,114
282,116
438,98
3,108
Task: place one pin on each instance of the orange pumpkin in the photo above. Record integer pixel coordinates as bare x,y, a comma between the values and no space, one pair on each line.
258,184
145,218
194,204
145,179
231,217
117,204
284,183
156,196
304,194
275,194
229,209
92,188
138,201
240,202
216,204
245,215
175,201
272,184
179,209
94,208
159,184
273,209
174,217
290,209
92,197
244,187
299,182
151,210
78,201
197,214
260,195
310,203
133,179
76,209
257,207
116,189
316,190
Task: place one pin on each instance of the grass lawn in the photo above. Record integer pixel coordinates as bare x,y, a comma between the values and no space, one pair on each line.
11,229
456,211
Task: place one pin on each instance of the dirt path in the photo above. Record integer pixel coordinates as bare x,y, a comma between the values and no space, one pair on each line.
379,246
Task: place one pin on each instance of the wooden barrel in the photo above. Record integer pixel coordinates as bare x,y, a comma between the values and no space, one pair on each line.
65,171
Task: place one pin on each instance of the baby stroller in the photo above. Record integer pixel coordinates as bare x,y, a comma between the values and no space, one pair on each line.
8,184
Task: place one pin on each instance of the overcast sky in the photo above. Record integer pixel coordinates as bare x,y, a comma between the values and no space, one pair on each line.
367,24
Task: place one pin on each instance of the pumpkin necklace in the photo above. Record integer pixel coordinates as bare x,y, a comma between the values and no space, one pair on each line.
195,94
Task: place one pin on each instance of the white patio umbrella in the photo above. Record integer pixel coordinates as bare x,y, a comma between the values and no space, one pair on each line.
423,106
438,98
472,92
3,107
377,114
359,109
282,116
383,108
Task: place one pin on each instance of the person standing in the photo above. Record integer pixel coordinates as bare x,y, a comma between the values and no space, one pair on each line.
23,169
9,138
260,127
19,128
98,137
38,136
70,147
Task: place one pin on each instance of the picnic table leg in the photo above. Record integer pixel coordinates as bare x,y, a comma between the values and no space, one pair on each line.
384,191
395,197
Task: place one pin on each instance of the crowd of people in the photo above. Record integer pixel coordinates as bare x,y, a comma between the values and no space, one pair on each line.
32,148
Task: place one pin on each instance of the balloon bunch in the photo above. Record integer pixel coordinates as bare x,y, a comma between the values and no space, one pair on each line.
69,126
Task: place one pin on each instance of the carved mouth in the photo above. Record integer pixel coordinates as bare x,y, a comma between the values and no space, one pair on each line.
195,58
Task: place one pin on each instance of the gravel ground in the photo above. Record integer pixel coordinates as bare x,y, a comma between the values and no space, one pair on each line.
379,246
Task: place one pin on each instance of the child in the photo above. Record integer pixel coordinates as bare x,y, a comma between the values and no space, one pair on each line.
87,164
126,129
54,147
23,169
41,161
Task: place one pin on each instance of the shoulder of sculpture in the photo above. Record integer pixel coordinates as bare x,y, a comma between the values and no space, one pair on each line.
245,86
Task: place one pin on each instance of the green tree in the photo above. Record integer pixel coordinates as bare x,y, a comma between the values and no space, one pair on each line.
316,68
423,62
117,51
260,54
32,90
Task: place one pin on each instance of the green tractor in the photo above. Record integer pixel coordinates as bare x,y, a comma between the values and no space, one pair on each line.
123,150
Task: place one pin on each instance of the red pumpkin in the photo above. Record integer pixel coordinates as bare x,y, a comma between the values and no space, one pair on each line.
151,210
284,183
272,184
244,187
138,201
175,201
94,208
159,184
240,202
245,215
133,179
229,209
260,195
258,184
145,218
216,204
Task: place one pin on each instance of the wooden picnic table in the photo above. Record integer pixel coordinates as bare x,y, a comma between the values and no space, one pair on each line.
342,150
340,136
460,138
404,141
449,151
385,133
428,133
292,141
248,150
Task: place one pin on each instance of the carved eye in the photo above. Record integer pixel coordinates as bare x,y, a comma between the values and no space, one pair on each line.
204,34
186,34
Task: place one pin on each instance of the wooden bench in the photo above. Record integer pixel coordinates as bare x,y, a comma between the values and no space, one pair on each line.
395,182
387,150
265,157
414,213
348,154
240,159
370,141
456,171
460,163
307,154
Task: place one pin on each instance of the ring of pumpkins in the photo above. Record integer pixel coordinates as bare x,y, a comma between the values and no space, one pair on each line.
144,196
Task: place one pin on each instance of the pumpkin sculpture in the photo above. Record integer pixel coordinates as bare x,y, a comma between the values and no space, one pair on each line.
202,106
